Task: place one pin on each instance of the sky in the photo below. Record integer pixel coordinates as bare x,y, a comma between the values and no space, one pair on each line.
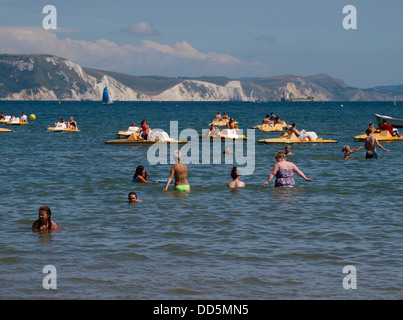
236,39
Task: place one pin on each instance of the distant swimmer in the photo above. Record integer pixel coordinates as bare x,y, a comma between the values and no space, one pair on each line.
133,198
235,183
287,149
141,175
44,223
283,171
180,172
228,150
348,151
370,144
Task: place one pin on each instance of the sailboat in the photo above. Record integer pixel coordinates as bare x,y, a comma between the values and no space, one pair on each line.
252,99
106,98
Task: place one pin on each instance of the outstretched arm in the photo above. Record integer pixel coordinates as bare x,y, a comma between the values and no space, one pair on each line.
272,174
355,149
301,174
380,146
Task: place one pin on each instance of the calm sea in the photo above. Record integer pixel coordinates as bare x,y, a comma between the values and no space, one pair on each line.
214,243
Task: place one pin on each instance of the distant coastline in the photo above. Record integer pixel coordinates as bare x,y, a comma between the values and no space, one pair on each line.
47,77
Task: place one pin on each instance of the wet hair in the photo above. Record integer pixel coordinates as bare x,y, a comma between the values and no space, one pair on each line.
138,172
371,123
131,193
384,121
368,131
178,156
280,155
293,125
344,148
49,213
234,173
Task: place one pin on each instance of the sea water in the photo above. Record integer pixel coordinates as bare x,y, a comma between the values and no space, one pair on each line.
213,243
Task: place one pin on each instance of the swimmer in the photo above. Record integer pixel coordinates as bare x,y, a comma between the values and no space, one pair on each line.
370,144
44,223
133,198
235,183
228,150
141,175
180,172
349,151
284,170
288,150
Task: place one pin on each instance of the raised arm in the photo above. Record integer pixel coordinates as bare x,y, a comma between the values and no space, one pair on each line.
355,149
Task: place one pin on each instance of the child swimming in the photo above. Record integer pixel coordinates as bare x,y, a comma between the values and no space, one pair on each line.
347,151
44,223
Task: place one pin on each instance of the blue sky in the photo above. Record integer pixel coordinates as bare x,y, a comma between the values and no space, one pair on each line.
254,38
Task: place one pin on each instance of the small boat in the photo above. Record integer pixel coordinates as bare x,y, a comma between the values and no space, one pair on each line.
270,128
153,137
61,127
16,122
106,98
5,130
221,123
394,122
384,135
225,134
6,119
128,132
291,137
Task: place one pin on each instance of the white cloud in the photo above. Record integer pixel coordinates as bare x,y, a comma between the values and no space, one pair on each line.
140,28
147,58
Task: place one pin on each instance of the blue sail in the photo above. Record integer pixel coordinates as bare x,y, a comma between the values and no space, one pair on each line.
105,97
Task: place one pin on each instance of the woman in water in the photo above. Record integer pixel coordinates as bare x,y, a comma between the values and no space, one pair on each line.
235,183
141,175
44,223
284,170
180,172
